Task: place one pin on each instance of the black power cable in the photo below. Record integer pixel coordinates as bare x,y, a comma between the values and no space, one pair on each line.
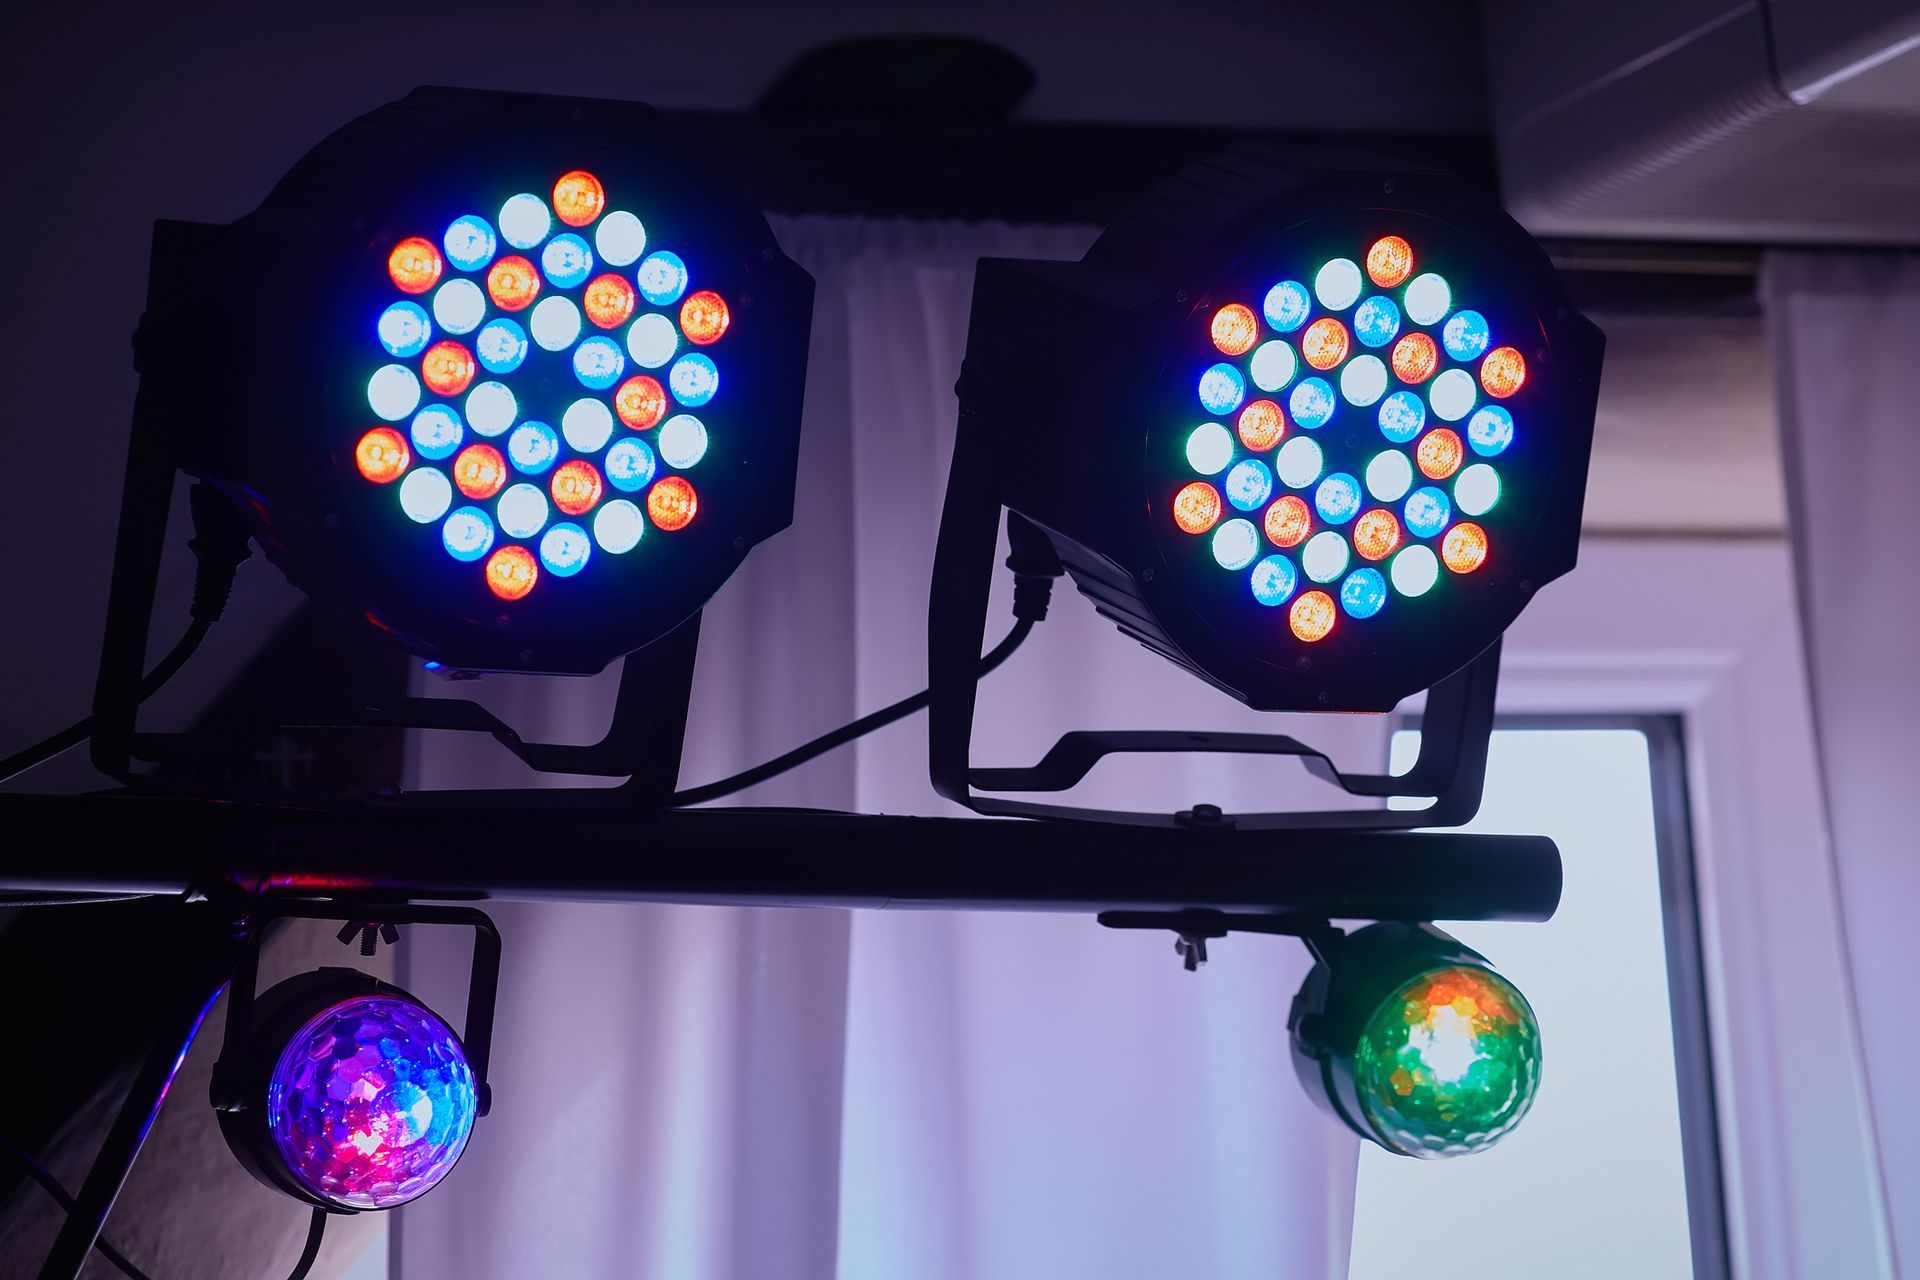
315,1229
51,1185
1034,566
219,546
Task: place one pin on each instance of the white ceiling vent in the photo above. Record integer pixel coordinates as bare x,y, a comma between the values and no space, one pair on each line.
1782,121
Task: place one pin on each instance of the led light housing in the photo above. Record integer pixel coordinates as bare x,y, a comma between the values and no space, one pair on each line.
348,1094
467,267
1376,302
1414,1042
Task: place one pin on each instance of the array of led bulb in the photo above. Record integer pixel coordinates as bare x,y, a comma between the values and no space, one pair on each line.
504,478
1344,534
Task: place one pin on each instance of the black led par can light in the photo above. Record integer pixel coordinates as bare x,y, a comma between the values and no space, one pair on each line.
1316,436
506,375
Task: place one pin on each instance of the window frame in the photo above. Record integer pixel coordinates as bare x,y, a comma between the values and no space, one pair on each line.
1704,634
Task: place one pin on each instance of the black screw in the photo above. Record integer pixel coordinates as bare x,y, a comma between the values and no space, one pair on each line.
1146,575
1303,663
1181,296
1387,186
766,255
1325,697
739,544
526,655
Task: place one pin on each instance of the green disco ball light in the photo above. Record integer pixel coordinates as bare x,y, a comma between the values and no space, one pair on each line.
1415,1043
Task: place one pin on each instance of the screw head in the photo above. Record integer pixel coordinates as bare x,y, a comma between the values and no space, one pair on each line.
1146,575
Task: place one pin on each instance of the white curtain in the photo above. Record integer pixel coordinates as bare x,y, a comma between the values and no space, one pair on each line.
716,1093
1846,341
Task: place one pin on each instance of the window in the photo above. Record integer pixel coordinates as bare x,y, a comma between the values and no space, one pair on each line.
1615,1172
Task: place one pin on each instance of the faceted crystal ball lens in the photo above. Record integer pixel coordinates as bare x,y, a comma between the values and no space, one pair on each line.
1448,1064
567,275
1381,347
371,1103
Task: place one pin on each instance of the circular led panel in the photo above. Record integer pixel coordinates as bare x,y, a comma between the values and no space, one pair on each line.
459,273
370,1102
1403,388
